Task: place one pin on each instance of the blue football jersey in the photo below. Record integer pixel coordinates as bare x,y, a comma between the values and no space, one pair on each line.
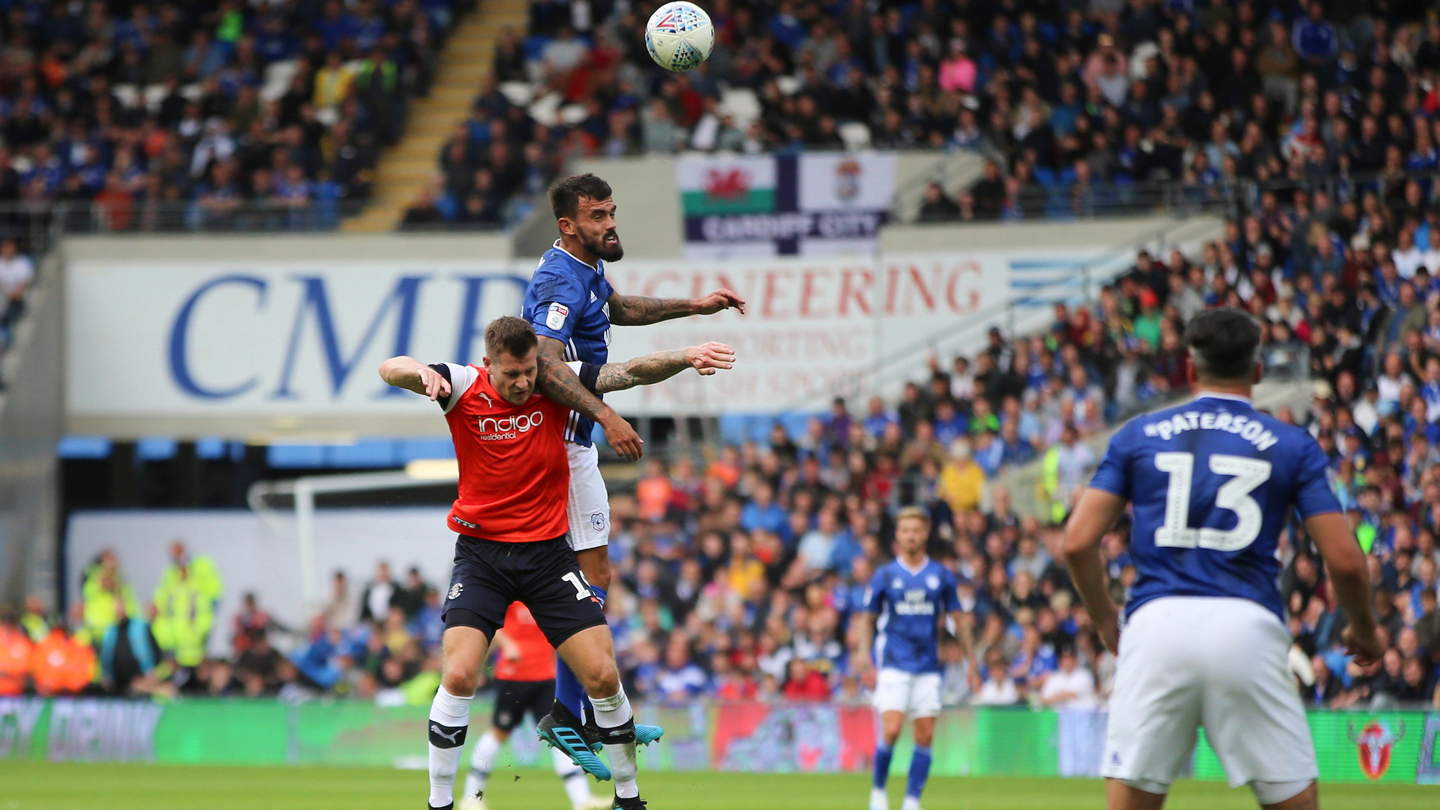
567,300
909,606
1212,483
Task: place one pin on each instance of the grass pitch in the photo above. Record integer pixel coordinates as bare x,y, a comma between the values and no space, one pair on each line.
44,786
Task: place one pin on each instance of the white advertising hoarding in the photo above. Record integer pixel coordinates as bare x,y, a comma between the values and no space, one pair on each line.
241,348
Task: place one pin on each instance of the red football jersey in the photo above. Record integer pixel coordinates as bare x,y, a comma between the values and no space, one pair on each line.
514,471
537,657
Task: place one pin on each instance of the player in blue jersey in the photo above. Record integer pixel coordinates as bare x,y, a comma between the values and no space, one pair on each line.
1212,483
572,306
908,601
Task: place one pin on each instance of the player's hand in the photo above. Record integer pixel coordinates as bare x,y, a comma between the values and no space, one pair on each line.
622,437
719,300
1365,646
436,386
710,357
863,669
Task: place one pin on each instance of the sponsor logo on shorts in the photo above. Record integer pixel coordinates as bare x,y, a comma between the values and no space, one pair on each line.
502,719
597,521
456,589
1373,743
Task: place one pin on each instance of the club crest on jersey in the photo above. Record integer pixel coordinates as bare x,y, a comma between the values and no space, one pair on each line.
932,582
597,521
1373,744
456,589
555,318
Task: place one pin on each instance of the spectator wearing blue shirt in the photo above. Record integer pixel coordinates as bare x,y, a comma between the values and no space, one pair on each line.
680,679
879,418
1314,38
837,424
988,452
949,425
764,513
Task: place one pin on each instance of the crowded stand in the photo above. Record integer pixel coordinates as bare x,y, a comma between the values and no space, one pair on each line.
1083,108
213,116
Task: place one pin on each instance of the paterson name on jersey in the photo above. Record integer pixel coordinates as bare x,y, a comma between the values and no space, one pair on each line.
1212,484
909,606
567,300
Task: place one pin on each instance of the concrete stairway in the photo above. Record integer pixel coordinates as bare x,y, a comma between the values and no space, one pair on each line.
409,165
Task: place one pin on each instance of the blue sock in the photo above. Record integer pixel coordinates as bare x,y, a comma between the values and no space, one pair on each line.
882,765
919,772
567,687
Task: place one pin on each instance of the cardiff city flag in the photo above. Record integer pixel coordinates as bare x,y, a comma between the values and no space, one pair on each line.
787,205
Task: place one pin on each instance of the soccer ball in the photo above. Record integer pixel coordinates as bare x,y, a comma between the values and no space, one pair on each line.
679,36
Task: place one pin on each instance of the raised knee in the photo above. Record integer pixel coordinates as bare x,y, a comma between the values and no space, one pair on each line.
603,682
460,680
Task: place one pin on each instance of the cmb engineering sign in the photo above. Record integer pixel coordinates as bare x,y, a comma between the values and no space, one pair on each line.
244,347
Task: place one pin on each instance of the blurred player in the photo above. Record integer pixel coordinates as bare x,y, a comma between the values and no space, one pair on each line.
524,682
511,526
908,600
572,305
1212,483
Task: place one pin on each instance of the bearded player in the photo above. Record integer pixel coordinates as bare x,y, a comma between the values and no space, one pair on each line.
571,305
511,525
1211,484
524,682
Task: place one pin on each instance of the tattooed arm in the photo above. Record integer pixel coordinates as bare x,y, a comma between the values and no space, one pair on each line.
653,368
638,310
558,382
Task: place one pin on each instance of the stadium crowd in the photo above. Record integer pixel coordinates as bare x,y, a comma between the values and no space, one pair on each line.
175,115
1083,106
738,575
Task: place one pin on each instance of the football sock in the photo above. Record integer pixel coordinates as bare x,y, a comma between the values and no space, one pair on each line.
577,787
919,773
482,762
449,717
567,687
614,713
882,765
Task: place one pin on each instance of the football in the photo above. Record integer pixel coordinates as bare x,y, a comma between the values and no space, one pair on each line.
679,36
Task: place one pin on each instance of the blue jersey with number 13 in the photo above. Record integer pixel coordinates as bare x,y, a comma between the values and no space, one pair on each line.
1211,483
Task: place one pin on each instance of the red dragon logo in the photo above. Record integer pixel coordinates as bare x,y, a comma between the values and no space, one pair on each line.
1373,744
727,185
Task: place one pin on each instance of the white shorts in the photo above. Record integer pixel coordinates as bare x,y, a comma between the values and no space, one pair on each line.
589,505
917,694
1188,661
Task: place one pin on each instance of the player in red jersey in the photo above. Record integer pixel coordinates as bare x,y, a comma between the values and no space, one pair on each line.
511,521
524,682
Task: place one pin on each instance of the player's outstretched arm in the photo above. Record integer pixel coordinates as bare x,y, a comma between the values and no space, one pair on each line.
639,310
1095,513
1337,545
413,375
652,368
559,383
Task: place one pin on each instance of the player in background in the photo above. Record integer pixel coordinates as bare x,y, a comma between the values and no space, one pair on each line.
511,525
1212,484
572,306
908,601
524,682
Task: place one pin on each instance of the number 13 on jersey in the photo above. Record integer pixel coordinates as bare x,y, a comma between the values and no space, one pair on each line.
1234,495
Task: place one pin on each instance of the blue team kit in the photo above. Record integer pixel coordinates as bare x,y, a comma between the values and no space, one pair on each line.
1211,483
567,300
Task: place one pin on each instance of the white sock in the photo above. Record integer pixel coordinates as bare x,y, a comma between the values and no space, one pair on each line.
577,787
910,803
482,762
449,717
613,712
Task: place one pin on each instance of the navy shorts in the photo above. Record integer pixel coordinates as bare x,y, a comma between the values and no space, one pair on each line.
514,698
489,575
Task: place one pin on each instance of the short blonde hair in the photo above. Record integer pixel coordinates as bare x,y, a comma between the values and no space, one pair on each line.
915,512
